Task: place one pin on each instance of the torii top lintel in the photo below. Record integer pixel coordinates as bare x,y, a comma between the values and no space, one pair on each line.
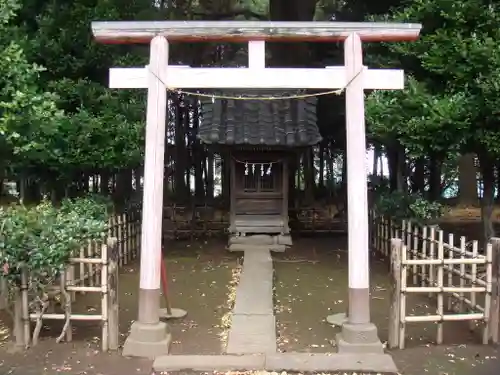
122,32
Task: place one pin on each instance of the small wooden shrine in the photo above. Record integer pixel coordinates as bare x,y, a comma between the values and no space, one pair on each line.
259,137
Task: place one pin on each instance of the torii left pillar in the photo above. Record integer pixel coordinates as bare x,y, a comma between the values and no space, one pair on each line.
149,337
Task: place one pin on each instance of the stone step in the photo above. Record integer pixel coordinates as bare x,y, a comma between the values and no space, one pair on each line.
261,239
291,362
269,228
258,239
284,239
247,247
252,334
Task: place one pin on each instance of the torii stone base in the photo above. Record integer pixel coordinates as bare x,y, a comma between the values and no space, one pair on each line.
147,341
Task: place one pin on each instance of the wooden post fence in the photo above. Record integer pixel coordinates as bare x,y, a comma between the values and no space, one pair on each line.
113,306
495,292
395,310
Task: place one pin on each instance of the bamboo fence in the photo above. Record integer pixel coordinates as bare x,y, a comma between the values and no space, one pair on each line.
462,280
94,269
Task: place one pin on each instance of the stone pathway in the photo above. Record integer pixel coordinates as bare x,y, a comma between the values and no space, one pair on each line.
253,327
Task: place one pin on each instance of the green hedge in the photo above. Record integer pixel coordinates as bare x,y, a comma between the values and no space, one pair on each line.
42,238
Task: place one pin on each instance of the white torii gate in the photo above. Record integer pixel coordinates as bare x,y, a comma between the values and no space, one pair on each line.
149,337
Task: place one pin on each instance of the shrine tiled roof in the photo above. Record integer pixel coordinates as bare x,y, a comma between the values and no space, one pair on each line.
272,123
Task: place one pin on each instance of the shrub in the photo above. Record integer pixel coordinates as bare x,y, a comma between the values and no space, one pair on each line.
403,206
42,238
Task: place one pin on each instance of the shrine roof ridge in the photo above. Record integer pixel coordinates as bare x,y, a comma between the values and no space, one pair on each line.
121,32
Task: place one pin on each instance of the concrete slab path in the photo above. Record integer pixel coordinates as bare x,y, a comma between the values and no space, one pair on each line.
253,326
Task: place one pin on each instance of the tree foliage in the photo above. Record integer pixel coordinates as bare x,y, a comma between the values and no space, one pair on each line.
59,119
423,121
27,112
456,64
57,114
451,106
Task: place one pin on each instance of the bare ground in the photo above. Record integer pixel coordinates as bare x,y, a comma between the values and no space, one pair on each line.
454,214
309,288
311,283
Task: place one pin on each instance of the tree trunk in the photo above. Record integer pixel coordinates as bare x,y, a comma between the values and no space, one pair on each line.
435,169
226,179
180,153
396,161
292,186
467,179
498,181
104,185
29,189
309,176
198,160
330,178
2,179
123,185
418,176
199,186
138,175
85,183
291,54
487,167
56,188
321,177
210,177
113,183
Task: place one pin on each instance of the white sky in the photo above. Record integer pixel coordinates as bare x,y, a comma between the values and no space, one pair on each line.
369,163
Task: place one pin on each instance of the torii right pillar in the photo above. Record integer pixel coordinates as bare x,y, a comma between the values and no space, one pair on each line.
359,334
